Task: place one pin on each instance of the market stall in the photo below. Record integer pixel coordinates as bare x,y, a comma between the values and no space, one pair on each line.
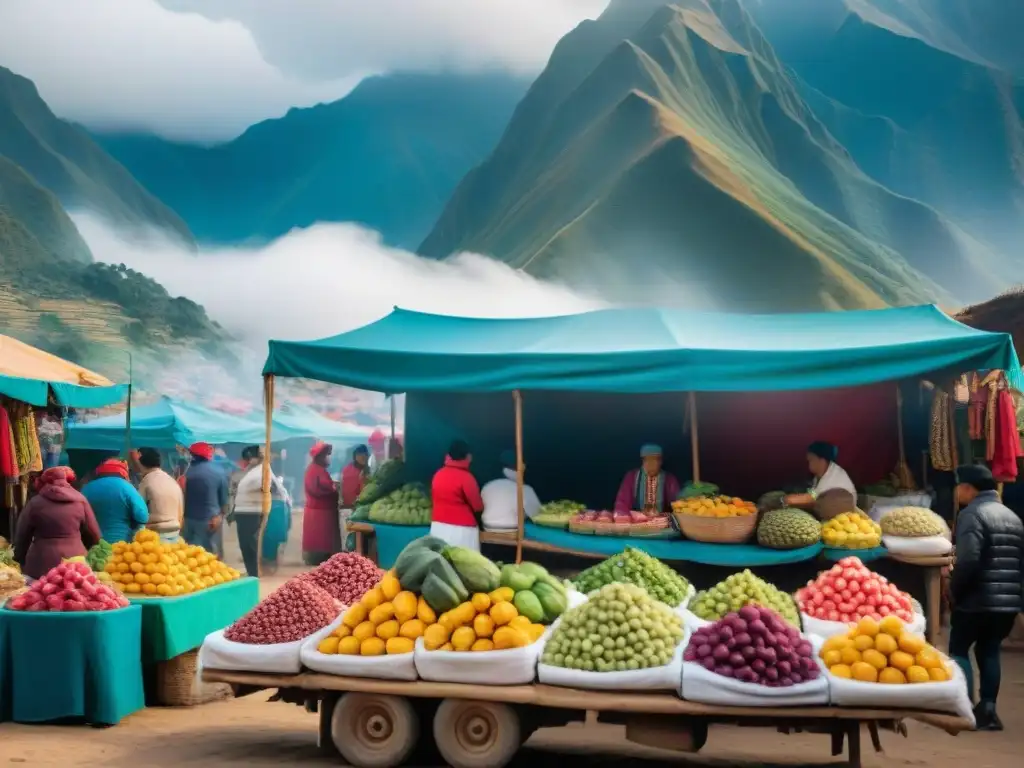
633,368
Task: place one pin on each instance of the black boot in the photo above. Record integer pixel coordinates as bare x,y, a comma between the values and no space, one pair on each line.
985,717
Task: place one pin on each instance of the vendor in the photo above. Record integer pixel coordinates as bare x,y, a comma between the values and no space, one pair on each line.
457,502
648,488
321,536
354,476
501,499
828,476
120,510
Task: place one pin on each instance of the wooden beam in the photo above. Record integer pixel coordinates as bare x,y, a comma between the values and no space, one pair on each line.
517,398
268,408
691,406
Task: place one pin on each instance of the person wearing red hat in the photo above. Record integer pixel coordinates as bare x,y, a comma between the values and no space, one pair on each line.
206,498
120,509
320,533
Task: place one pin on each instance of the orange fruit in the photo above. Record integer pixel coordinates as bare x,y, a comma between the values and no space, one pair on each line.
938,674
850,656
841,670
863,642
928,658
831,658
891,625
864,672
901,660
875,659
918,674
886,644
912,644
891,676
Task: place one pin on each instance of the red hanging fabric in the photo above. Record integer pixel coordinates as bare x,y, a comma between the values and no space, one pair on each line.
1007,447
8,457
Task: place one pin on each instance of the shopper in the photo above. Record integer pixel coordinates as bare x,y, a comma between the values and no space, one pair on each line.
206,498
321,536
119,508
985,585
248,512
163,496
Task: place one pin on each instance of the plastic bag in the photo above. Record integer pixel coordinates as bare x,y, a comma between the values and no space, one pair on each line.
652,679
217,652
396,667
917,546
513,666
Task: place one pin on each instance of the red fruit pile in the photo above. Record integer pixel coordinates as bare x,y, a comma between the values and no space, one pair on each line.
290,613
848,591
754,646
68,587
346,577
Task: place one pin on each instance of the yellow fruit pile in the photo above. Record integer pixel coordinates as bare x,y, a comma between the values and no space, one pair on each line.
714,506
884,652
387,620
851,530
145,566
482,623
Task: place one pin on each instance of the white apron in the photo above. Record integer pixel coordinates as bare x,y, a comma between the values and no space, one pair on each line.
457,535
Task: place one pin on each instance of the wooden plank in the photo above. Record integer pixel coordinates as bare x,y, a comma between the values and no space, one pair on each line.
572,698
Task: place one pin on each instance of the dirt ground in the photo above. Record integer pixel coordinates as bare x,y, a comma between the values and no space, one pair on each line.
253,731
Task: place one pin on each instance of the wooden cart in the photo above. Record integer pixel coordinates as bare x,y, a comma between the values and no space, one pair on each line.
383,723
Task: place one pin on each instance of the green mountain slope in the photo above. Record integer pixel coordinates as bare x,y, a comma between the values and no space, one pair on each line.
665,151
911,90
65,160
387,156
53,295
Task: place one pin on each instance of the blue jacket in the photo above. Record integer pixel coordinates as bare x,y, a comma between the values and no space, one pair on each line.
206,490
119,508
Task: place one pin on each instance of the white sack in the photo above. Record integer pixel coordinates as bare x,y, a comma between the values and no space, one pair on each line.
917,546
217,652
398,667
824,628
652,679
573,598
512,666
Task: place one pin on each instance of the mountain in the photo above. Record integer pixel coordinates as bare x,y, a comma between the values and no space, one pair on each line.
666,154
926,95
64,159
387,156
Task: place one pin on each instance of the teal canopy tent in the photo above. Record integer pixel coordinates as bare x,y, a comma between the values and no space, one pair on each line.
646,350
168,423
32,376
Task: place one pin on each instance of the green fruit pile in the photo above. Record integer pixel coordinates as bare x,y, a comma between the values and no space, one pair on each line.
384,481
556,514
788,529
537,594
742,589
913,521
634,566
98,555
409,505
619,628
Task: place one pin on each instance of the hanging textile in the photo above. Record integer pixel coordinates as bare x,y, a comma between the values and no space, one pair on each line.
1007,440
941,438
991,409
26,441
978,401
8,457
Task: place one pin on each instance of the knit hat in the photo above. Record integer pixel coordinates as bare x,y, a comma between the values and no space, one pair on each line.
113,467
977,475
201,450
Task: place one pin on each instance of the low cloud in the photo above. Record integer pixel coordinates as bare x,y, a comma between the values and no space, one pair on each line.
327,279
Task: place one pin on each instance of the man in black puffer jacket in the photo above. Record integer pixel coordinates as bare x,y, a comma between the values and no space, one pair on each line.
987,585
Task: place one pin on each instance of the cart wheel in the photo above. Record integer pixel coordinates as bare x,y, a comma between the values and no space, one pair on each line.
476,734
374,731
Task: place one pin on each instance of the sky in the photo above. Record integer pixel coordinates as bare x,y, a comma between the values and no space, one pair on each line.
204,70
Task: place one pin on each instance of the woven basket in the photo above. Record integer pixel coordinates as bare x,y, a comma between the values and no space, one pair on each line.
717,530
833,503
611,529
178,683
645,532
584,528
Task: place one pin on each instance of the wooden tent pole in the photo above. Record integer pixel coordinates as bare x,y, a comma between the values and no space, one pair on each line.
517,398
268,409
691,402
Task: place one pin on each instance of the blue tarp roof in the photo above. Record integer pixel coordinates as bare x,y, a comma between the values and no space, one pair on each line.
638,350
168,423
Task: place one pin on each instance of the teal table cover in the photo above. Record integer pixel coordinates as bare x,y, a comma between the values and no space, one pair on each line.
392,539
730,555
865,555
57,666
172,626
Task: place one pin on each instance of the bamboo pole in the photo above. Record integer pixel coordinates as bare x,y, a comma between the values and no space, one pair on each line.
268,409
517,398
691,403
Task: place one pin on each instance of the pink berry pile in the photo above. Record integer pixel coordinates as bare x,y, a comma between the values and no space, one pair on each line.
290,613
849,591
66,588
346,577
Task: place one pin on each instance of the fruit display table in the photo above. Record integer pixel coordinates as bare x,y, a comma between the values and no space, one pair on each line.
389,540
58,666
835,554
172,626
543,539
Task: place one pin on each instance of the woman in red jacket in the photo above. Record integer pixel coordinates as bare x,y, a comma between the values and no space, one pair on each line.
320,535
456,498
